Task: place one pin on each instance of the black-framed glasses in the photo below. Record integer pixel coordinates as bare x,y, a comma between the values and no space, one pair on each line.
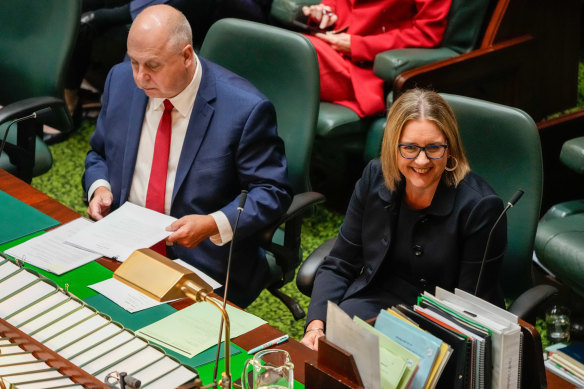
412,151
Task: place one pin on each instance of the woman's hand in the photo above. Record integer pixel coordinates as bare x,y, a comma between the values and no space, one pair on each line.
314,331
322,14
340,42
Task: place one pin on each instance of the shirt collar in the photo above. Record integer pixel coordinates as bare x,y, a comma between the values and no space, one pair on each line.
185,100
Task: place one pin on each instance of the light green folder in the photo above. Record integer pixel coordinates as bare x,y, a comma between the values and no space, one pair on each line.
18,219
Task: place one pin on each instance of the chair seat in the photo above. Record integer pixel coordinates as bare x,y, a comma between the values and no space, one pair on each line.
43,156
559,245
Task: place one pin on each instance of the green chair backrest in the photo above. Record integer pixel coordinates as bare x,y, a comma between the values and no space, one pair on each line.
282,64
502,145
36,39
466,24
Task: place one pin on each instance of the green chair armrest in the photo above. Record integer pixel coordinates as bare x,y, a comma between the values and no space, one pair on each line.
572,154
564,209
389,64
286,11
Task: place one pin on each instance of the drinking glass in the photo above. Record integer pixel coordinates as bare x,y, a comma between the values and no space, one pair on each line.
557,319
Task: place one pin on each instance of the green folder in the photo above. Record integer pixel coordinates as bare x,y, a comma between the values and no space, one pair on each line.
19,219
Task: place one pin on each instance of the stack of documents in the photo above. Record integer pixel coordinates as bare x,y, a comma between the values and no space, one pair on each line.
408,356
487,340
80,241
446,341
568,362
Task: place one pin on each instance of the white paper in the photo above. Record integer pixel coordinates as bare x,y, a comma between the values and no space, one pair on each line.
348,335
214,284
123,231
115,356
49,251
175,378
162,367
25,297
91,341
124,295
136,362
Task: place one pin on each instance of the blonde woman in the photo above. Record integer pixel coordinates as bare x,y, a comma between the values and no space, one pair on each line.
418,218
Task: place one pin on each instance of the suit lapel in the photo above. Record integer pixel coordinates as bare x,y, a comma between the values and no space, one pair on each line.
198,126
136,118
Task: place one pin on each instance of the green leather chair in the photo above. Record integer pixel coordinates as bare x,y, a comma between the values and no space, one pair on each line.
559,242
283,66
502,145
36,43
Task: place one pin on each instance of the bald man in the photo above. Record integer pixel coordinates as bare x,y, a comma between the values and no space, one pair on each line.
223,140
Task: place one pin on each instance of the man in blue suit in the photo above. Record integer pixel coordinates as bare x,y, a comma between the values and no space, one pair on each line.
223,140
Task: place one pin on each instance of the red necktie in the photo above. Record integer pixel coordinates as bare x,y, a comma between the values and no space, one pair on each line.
157,181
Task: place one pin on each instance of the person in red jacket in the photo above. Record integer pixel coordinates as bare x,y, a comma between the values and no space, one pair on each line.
357,31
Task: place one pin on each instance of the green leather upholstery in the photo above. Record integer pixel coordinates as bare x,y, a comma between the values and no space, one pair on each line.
283,66
34,50
559,243
502,145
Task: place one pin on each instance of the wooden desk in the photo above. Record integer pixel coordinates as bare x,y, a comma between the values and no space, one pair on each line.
26,193
33,197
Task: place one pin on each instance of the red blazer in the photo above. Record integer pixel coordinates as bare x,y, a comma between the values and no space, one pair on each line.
380,25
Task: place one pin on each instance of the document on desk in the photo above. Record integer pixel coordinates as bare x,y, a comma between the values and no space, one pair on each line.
132,300
342,331
124,295
212,283
49,251
194,329
123,231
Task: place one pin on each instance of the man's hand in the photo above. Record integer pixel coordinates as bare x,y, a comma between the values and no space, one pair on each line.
314,331
191,230
100,204
322,14
341,42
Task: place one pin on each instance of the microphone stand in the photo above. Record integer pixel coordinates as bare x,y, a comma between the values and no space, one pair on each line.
227,384
512,201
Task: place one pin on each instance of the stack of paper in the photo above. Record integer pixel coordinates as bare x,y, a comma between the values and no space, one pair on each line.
571,359
408,356
49,251
490,343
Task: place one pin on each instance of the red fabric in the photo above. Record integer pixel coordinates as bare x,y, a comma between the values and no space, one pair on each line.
375,26
157,181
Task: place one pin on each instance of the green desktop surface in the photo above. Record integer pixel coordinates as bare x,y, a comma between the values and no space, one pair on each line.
18,219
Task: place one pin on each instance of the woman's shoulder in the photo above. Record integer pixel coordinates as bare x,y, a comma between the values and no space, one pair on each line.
476,189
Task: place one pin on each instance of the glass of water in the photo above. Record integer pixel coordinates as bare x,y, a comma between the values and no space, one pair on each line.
557,320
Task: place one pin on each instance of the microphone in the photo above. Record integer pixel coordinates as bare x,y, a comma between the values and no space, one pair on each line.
242,199
512,201
41,115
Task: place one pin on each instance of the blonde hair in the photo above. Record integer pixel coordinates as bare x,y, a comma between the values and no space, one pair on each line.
420,104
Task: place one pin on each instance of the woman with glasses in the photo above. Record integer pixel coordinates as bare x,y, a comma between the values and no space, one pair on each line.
418,218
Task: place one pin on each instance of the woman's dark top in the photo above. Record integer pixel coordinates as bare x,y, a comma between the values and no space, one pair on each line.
387,253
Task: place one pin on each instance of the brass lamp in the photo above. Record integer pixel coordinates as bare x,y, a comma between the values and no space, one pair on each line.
163,280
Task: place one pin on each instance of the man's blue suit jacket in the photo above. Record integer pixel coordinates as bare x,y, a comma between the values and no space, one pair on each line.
231,144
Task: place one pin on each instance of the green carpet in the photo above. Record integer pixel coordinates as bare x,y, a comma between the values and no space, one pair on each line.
63,182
